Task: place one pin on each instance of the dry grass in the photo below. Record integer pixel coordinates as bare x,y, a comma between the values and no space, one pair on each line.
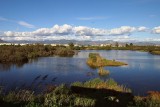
96,61
155,52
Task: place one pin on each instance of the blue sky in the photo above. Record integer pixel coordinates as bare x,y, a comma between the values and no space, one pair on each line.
88,19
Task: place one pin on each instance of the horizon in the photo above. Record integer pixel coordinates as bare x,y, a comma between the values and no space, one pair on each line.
93,20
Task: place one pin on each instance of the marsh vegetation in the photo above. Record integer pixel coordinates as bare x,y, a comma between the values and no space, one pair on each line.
92,93
19,53
150,48
96,61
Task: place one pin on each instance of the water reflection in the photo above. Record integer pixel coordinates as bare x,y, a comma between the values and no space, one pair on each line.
5,67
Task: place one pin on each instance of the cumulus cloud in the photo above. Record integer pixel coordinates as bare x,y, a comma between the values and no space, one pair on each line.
69,32
156,30
25,24
122,30
142,29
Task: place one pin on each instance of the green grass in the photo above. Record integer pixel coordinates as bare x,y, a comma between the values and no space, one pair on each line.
100,84
96,61
113,63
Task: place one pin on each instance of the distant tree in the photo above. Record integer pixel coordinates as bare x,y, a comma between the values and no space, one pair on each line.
110,45
127,45
116,44
71,45
131,44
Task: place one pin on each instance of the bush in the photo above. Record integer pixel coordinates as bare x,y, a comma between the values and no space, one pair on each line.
84,102
152,100
61,96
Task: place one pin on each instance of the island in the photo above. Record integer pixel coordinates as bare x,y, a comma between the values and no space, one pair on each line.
96,61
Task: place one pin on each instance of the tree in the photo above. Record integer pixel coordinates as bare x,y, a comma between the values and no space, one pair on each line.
131,44
127,45
71,45
116,44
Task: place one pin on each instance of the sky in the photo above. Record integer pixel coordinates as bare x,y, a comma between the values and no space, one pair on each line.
96,20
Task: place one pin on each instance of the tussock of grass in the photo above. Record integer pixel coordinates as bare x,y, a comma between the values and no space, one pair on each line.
100,84
96,61
103,72
113,63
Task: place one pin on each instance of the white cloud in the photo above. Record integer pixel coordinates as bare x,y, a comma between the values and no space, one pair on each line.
142,29
22,23
122,30
69,32
156,30
92,18
87,31
25,24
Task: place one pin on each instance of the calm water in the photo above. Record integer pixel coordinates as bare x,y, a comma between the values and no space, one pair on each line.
141,75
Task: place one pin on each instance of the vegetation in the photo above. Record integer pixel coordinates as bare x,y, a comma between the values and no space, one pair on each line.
152,100
150,48
92,93
71,45
96,47
155,52
96,61
19,53
100,84
102,71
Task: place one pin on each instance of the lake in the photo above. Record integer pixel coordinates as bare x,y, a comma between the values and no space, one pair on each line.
142,73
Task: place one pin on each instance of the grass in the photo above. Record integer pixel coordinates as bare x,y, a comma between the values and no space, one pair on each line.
152,100
103,72
100,84
155,52
92,93
113,63
88,94
96,61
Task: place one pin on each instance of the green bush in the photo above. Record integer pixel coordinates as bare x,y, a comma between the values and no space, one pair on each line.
84,102
61,96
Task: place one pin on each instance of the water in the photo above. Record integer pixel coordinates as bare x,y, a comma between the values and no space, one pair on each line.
142,73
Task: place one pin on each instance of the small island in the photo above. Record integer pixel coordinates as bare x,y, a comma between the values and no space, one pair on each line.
96,61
